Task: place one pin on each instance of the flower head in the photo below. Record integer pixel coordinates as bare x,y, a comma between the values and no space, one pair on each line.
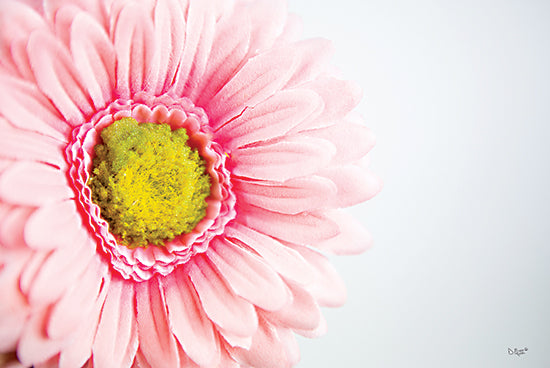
171,175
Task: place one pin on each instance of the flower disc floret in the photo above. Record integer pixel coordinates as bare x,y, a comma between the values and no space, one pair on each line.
150,185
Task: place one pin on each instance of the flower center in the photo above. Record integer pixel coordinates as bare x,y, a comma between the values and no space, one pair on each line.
150,185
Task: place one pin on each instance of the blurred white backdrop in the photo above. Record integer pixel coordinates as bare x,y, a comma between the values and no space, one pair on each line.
458,94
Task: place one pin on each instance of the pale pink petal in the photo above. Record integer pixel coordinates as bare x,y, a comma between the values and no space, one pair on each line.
55,225
34,345
247,275
286,261
80,349
328,289
199,35
355,185
58,272
62,23
33,184
340,98
223,307
116,340
303,313
169,38
135,49
340,135
314,55
319,331
303,228
234,340
292,30
268,19
24,145
78,301
259,78
156,340
353,237
95,8
266,351
291,197
270,119
12,227
25,107
189,322
288,340
94,58
283,160
57,77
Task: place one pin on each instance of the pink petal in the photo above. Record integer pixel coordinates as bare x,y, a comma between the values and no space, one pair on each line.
94,58
290,158
169,38
95,8
80,350
303,228
59,271
24,145
266,350
156,341
34,345
355,185
328,289
292,30
234,340
228,51
290,345
268,18
12,227
303,313
25,107
135,48
116,340
291,197
189,322
230,312
286,261
33,184
319,331
55,225
353,237
341,135
57,78
269,119
314,55
78,301
62,22
247,275
259,78
199,35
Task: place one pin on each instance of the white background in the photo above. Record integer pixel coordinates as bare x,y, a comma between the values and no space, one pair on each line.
457,93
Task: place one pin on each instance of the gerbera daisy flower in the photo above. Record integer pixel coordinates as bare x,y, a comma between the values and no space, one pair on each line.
171,177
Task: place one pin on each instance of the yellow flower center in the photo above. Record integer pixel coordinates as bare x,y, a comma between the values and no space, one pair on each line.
150,185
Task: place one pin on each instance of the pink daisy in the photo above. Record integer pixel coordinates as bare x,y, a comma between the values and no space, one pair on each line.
266,123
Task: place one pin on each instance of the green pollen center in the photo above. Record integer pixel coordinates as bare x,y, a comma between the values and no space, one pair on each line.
150,185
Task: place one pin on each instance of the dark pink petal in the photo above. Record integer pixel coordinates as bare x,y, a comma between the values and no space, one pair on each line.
57,77
25,145
247,275
223,307
259,78
78,301
302,314
328,289
58,272
33,184
286,261
199,35
25,107
291,197
340,135
94,58
189,322
286,159
55,225
303,228
314,55
116,340
135,49
169,38
355,185
156,341
353,237
270,119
